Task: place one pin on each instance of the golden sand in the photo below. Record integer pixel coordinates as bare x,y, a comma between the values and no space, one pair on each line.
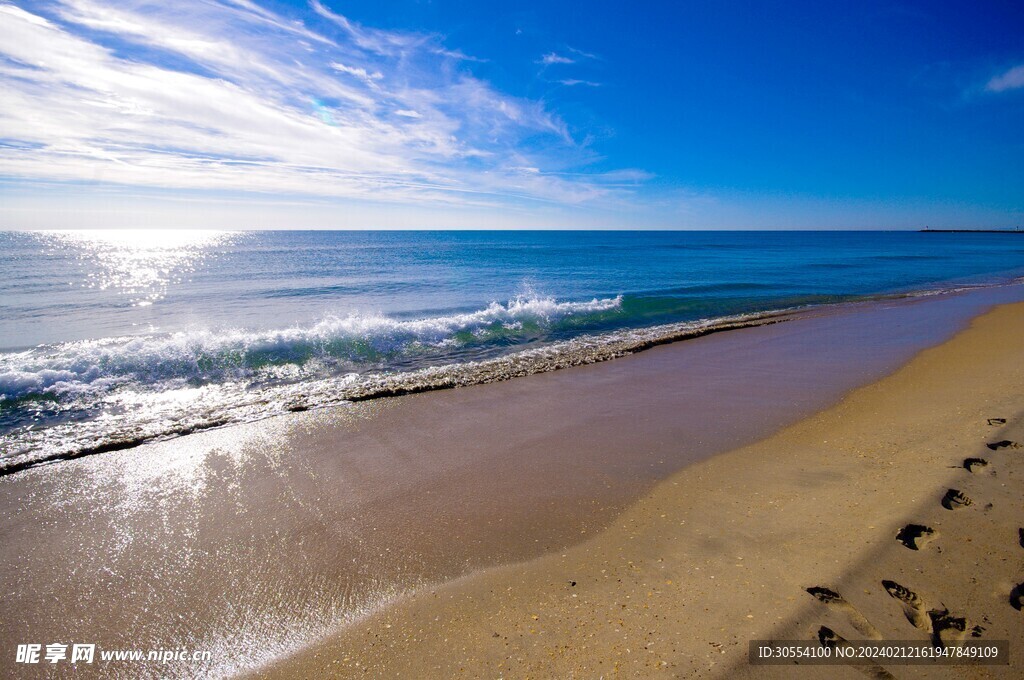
725,550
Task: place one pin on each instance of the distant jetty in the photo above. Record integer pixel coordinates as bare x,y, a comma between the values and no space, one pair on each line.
929,230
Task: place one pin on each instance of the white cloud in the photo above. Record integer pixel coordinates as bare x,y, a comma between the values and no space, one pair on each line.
572,82
1010,80
361,73
230,96
381,42
555,58
585,55
458,55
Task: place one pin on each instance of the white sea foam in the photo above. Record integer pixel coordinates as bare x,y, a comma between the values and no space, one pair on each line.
204,355
120,392
131,415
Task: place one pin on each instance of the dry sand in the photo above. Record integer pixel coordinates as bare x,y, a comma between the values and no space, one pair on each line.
724,551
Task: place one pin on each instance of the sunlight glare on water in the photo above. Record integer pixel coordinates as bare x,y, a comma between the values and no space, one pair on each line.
138,264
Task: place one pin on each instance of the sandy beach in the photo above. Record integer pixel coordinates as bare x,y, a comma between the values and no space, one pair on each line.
725,551
646,515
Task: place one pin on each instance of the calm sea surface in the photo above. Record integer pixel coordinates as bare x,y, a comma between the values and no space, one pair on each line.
114,336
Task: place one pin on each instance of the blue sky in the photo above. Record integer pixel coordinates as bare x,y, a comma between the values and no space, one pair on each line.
403,114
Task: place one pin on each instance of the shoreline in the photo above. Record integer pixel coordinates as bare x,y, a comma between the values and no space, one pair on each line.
258,540
680,582
584,350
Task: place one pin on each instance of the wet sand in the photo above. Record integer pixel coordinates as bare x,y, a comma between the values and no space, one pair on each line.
259,541
725,551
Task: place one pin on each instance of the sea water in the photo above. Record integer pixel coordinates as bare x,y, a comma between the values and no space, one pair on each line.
113,338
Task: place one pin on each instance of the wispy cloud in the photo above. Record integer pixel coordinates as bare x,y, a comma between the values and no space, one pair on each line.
555,58
581,53
578,58
358,72
459,55
1009,80
201,94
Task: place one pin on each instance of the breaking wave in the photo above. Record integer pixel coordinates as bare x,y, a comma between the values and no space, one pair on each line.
64,398
208,356
73,399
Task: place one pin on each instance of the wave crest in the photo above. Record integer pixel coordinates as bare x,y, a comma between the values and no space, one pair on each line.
335,344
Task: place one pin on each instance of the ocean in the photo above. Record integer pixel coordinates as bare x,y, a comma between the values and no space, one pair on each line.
113,338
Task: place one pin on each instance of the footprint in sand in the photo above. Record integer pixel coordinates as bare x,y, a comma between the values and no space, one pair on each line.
836,601
913,606
916,536
1004,444
975,464
945,628
956,499
831,639
1017,596
948,630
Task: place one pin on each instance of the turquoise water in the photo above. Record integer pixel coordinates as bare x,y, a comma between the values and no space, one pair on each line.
116,336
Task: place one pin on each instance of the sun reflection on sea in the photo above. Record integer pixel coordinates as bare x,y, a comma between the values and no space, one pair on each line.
140,264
